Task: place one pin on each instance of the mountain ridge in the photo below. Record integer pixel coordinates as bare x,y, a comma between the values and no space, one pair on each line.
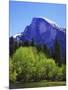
41,31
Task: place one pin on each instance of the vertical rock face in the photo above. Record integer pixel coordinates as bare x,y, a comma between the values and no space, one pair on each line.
43,32
46,32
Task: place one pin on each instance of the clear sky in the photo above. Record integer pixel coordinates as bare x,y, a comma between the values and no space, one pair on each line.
21,14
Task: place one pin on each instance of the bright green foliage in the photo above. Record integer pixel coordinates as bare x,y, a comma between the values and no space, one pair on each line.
51,69
24,59
61,73
64,72
12,71
29,65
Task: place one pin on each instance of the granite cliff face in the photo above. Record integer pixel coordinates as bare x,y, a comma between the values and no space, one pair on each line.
46,32
43,31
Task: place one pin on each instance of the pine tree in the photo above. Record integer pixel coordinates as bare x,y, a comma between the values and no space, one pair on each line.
57,52
32,42
11,45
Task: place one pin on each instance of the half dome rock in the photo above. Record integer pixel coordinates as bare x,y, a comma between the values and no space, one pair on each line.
46,32
43,31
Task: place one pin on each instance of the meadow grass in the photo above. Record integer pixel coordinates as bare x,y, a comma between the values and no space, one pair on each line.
43,83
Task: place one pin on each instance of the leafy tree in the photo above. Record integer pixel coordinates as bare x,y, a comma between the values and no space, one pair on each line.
12,71
23,59
61,73
39,70
64,72
51,69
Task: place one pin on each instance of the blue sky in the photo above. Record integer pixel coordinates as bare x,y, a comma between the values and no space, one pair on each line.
21,14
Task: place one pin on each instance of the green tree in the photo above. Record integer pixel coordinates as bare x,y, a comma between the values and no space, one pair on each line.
23,61
12,71
61,73
13,45
51,69
57,52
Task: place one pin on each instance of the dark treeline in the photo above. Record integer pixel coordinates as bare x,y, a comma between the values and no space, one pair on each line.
56,54
14,44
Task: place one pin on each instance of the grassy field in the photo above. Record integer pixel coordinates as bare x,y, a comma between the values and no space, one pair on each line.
37,84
